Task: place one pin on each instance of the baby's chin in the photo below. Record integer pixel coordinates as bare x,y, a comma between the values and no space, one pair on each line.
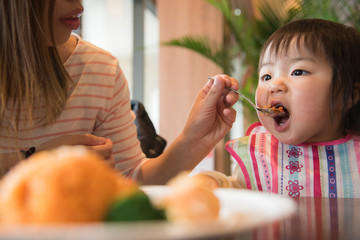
286,138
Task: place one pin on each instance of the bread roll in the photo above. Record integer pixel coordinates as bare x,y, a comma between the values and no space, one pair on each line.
68,184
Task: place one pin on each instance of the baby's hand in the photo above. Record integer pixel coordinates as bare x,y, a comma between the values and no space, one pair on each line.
206,180
216,179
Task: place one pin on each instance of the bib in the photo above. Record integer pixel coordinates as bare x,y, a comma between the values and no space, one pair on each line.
323,169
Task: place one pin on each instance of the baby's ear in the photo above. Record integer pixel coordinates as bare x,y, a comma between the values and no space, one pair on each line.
356,97
356,93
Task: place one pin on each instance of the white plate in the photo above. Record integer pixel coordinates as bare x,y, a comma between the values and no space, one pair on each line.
241,211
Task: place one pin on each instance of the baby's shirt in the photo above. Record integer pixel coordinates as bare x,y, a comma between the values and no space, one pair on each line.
323,169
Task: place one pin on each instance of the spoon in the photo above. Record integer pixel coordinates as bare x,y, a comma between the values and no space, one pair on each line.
271,111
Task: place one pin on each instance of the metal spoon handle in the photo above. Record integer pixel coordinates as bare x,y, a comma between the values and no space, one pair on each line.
264,110
243,96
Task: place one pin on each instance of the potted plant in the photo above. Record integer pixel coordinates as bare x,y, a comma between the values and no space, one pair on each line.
244,35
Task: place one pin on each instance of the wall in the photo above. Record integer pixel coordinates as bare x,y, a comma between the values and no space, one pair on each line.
183,72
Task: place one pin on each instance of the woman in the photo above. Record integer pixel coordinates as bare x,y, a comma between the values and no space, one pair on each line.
59,89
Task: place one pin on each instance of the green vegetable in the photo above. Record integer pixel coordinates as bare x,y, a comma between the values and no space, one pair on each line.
136,207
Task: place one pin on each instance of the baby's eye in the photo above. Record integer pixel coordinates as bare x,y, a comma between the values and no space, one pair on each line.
265,77
299,72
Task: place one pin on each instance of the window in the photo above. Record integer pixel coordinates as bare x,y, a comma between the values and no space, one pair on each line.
129,30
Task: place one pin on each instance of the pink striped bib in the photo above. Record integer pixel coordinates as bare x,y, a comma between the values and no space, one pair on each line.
324,169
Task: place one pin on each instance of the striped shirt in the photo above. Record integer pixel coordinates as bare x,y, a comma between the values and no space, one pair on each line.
324,169
98,104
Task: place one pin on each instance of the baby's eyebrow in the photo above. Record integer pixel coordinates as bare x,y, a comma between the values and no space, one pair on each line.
263,64
298,59
295,59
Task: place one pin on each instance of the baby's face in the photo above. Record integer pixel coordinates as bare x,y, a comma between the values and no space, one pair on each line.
301,83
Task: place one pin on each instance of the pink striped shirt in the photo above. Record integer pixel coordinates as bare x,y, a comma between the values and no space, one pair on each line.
98,104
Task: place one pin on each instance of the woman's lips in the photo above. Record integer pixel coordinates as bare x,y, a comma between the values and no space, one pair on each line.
73,21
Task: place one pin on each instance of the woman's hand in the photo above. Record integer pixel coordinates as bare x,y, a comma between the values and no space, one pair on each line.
106,151
103,146
212,115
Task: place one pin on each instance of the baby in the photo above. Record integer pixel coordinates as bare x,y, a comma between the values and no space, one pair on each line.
312,69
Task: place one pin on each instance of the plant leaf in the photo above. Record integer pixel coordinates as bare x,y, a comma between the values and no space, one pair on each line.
204,47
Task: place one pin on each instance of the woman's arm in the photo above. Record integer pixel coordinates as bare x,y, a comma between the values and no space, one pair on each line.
210,118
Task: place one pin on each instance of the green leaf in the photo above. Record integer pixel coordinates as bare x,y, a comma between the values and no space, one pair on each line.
204,47
136,207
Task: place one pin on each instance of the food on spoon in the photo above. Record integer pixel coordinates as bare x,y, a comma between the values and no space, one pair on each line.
277,109
192,199
68,184
136,207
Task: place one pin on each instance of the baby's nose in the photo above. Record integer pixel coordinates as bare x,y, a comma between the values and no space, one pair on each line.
277,86
275,89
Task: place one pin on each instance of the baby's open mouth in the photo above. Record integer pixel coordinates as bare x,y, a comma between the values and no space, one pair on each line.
282,118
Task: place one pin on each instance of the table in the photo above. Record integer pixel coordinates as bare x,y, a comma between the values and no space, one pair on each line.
316,218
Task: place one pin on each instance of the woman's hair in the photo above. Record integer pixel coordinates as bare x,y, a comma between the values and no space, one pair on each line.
340,45
33,80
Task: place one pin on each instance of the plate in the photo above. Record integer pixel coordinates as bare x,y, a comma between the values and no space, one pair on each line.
241,211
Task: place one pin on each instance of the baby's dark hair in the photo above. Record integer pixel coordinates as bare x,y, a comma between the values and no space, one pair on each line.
340,45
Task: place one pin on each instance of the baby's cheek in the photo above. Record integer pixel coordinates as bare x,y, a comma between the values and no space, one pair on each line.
260,97
267,122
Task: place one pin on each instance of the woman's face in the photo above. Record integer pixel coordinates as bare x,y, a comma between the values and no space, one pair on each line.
66,18
301,83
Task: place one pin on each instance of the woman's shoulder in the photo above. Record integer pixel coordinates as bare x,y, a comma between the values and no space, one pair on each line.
93,60
87,50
